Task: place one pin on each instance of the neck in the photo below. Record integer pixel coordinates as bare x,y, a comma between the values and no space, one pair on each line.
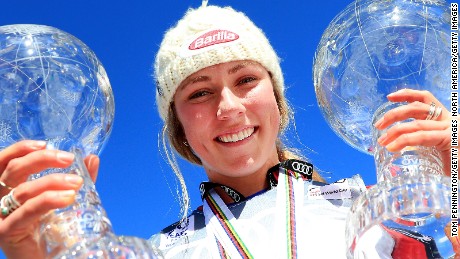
257,182
247,184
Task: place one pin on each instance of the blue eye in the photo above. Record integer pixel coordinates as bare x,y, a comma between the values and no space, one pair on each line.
246,80
198,94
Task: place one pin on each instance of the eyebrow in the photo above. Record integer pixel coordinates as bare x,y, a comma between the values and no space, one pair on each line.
240,66
192,80
232,70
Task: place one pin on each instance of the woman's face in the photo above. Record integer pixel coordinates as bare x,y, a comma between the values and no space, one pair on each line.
230,118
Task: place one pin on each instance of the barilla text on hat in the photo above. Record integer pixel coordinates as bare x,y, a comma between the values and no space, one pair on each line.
212,38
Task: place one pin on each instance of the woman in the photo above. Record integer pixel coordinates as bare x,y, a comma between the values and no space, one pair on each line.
221,95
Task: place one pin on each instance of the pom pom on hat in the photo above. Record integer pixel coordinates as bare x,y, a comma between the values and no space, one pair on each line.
207,36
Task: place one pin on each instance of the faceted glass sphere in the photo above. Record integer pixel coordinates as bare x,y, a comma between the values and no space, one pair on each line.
52,87
376,47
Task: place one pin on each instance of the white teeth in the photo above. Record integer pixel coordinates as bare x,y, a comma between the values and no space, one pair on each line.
241,135
237,136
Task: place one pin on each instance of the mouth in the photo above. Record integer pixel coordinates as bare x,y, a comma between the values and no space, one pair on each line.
237,136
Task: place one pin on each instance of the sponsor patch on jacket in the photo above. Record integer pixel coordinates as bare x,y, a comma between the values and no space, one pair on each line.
180,232
338,190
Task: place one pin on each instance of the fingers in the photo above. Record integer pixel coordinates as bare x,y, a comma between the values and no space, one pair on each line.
38,197
18,169
420,138
411,95
30,212
19,149
419,107
52,182
422,96
417,133
430,126
92,164
410,127
415,110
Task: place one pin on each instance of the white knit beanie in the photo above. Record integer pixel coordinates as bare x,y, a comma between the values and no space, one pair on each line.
207,36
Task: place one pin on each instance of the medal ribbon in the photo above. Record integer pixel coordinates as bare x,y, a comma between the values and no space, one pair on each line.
224,226
221,222
289,203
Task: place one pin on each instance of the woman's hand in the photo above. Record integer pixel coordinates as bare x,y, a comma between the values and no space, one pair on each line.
19,229
422,131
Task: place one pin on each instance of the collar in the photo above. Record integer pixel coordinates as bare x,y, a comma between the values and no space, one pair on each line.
290,166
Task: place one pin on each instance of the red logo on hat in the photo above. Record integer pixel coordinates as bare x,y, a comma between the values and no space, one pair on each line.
212,38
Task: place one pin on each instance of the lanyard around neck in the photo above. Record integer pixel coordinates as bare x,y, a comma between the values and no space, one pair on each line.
304,169
222,224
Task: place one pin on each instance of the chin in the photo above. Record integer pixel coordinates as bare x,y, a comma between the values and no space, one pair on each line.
243,167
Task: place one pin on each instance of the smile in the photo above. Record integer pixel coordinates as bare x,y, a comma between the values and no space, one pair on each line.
235,137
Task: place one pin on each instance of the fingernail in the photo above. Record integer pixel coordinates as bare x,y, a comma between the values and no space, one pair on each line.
379,122
382,138
391,147
38,144
67,194
393,93
90,162
65,157
73,179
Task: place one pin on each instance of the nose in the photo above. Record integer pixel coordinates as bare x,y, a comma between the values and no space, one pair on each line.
230,105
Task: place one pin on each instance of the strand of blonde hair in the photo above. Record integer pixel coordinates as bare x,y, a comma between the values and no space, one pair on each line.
183,196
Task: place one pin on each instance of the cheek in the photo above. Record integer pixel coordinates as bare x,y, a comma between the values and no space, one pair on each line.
275,116
264,103
193,121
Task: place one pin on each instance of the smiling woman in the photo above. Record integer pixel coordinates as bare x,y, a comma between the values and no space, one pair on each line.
231,120
221,96
221,93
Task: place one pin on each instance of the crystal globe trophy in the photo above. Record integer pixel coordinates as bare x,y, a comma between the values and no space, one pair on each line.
369,50
53,88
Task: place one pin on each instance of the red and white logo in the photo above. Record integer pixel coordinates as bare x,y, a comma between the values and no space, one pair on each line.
212,38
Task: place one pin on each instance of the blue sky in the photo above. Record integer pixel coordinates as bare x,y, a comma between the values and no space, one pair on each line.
135,183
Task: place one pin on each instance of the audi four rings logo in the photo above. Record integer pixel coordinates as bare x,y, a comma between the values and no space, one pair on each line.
235,196
301,168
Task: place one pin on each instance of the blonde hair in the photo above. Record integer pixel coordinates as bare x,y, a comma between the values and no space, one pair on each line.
174,132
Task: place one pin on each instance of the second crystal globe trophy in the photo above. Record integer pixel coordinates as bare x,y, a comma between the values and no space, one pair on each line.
371,49
53,88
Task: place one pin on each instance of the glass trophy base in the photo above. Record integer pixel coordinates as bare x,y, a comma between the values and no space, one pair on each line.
83,230
112,247
407,216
